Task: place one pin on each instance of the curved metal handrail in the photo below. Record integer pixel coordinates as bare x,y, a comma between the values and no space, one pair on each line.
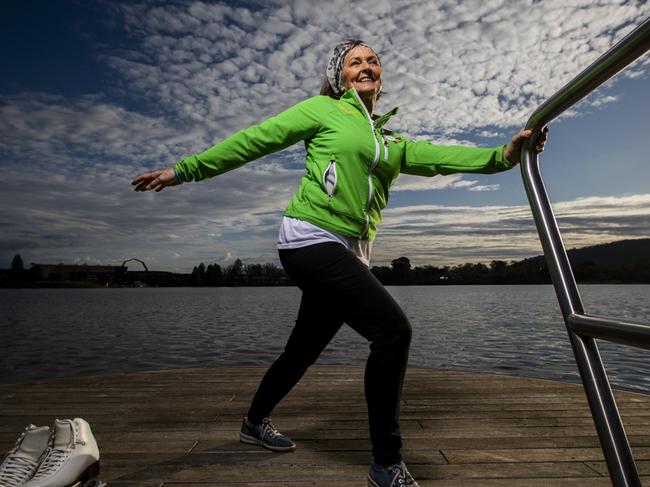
582,328
625,52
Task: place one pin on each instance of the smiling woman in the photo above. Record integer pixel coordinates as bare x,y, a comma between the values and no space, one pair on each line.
326,236
358,68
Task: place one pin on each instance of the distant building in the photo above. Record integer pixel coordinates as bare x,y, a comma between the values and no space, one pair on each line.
87,274
101,275
155,279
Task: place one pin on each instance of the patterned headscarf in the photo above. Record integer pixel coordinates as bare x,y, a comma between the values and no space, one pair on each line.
335,64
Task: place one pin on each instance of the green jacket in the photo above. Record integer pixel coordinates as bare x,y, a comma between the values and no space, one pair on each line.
352,161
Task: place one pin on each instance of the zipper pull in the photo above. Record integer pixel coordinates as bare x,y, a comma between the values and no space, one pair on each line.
329,178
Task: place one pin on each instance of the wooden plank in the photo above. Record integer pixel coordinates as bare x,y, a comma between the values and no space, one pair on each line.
533,455
562,482
180,427
643,466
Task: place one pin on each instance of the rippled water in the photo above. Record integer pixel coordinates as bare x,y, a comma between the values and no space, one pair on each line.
46,333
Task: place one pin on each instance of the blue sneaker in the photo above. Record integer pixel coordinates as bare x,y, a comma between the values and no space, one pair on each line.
265,435
394,476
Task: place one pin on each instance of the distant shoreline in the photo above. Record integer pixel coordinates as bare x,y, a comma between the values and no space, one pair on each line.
76,285
622,262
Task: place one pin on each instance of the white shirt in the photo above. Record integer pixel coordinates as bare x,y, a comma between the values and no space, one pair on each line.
296,233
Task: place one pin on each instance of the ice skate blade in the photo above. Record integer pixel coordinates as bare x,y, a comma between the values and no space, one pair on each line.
91,483
88,477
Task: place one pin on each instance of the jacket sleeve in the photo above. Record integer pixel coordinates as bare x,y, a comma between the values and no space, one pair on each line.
283,130
422,158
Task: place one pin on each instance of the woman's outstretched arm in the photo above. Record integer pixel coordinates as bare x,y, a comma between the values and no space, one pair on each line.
297,123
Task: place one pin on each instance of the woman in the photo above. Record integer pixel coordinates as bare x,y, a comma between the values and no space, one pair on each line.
326,235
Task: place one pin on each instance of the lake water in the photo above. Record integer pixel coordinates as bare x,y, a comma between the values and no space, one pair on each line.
48,333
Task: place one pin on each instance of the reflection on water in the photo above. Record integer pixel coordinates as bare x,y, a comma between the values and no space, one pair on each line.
47,333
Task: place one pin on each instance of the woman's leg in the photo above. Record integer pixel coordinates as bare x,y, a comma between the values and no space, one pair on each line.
339,281
315,327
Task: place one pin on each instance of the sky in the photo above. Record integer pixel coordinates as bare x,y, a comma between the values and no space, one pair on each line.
94,92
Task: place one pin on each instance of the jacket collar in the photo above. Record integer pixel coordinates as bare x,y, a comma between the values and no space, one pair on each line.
351,98
382,119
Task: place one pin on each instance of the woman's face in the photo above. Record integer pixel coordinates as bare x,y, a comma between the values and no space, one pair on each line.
361,70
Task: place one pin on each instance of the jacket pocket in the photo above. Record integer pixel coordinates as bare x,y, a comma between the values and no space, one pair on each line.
329,178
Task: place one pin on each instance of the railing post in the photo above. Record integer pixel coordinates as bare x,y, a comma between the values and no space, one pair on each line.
616,448
609,426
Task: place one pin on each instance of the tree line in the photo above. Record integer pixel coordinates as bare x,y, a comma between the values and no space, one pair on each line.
238,274
400,272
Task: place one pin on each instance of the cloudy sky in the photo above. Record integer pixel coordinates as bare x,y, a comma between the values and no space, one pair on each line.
92,93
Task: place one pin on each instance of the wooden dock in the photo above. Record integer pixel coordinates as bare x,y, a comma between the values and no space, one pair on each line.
180,428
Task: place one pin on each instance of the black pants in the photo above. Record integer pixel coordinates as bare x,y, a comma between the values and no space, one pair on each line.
337,287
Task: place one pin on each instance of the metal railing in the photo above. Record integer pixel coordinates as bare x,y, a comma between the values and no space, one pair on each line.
583,329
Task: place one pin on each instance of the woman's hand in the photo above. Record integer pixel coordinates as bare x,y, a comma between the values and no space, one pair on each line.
513,151
157,180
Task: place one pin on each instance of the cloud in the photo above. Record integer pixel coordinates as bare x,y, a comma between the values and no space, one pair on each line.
237,215
184,75
66,218
210,69
448,235
81,135
485,187
455,67
407,182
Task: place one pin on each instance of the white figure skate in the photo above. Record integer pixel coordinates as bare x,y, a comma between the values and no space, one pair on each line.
72,458
20,464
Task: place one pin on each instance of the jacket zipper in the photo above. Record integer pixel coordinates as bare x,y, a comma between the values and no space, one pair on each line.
372,167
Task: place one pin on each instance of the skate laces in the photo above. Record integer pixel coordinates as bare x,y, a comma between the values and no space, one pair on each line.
55,457
16,470
52,462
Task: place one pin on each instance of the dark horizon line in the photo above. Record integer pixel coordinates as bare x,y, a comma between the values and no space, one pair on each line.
509,260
